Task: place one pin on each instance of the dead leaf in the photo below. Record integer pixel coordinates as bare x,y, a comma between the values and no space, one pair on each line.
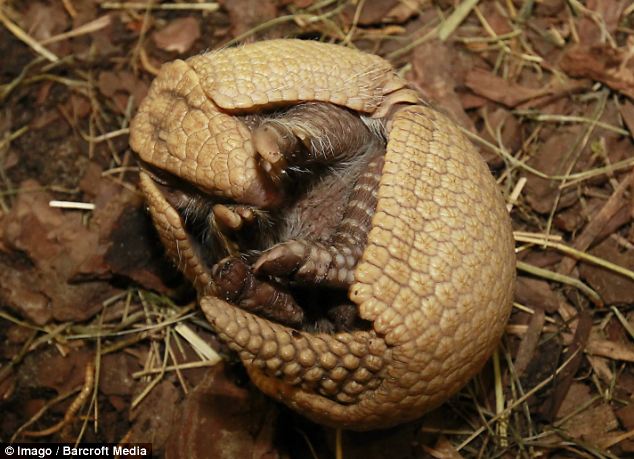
598,222
551,158
153,418
536,293
500,126
495,88
611,349
574,357
627,112
224,421
370,13
49,369
297,3
613,67
530,341
116,374
590,424
511,94
42,20
178,36
443,449
119,86
499,23
127,244
53,243
438,82
601,17
626,416
613,288
402,11
246,14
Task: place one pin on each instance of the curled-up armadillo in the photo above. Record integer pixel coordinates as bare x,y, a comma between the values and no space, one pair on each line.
346,240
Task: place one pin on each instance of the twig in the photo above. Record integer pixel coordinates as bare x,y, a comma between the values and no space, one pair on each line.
594,227
89,27
69,416
208,7
26,38
453,21
72,205
516,403
579,255
561,278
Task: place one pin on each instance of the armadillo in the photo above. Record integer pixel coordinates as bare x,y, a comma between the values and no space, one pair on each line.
406,221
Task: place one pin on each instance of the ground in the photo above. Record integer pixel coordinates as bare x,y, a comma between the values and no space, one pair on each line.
101,339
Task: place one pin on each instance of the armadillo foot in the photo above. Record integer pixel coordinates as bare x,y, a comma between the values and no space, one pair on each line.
235,282
310,263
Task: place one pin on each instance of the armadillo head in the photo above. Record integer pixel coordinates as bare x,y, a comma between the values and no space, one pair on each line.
180,132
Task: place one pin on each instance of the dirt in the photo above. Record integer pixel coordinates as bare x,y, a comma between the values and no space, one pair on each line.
93,315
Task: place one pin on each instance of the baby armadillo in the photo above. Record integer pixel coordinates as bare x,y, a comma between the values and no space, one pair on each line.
289,172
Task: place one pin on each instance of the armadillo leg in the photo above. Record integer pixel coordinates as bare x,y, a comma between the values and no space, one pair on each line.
331,262
236,283
309,134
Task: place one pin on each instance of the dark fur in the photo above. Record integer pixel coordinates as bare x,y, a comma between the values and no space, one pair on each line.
317,186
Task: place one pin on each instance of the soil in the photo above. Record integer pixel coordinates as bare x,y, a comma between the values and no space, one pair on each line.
100,337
